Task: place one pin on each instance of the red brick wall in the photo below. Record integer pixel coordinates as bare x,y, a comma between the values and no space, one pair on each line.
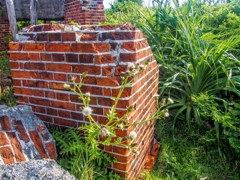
4,31
91,12
41,66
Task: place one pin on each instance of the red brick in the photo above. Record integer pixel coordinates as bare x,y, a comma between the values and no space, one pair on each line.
105,101
134,46
58,86
51,111
21,130
107,70
58,47
18,56
60,77
86,58
23,99
5,124
6,155
63,105
149,163
120,70
16,82
44,117
72,58
89,80
3,139
121,150
34,56
97,110
123,167
42,130
14,65
36,92
126,92
33,47
75,98
55,36
21,90
122,35
35,83
64,114
104,59
16,147
88,69
107,82
34,66
38,109
107,92
128,57
89,37
43,102
58,57
51,150
64,122
47,76
42,37
38,143
68,36
94,48
36,75
15,46
58,67
155,149
62,96
46,57
92,90
77,115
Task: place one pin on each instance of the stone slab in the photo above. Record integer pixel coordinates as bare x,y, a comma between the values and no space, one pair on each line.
34,169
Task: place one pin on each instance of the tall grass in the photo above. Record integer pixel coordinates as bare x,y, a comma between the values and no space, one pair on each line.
192,59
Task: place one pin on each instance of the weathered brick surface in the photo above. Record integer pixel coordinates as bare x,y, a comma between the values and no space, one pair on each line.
88,12
104,53
23,136
91,12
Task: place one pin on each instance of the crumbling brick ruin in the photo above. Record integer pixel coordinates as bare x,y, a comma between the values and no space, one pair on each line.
53,53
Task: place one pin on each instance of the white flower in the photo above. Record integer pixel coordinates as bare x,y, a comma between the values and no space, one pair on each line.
120,126
166,114
87,111
170,100
87,94
104,131
142,67
73,78
130,66
133,135
67,86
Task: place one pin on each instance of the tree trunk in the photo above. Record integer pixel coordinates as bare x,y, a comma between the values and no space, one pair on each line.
33,12
12,18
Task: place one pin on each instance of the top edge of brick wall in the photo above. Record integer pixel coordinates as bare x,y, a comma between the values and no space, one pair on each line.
75,28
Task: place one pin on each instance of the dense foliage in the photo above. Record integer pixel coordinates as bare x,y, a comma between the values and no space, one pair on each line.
197,46
6,90
83,161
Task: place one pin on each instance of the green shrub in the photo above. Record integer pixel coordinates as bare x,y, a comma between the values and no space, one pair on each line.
83,161
192,155
232,126
7,97
122,13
